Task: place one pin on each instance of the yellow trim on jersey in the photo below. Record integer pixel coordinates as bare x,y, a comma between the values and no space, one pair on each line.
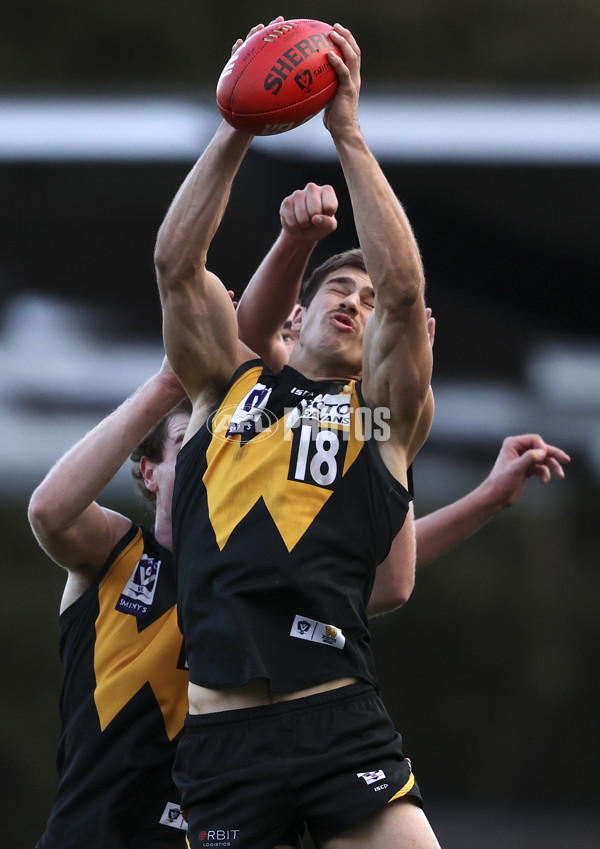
124,660
239,475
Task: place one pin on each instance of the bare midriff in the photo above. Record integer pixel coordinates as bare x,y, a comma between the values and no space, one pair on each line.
253,694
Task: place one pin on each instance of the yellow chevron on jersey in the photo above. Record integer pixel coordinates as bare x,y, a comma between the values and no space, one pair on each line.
125,659
240,473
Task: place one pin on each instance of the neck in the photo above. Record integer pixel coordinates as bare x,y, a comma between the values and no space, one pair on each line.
330,368
163,530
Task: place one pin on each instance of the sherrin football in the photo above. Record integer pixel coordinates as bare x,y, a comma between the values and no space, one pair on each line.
278,78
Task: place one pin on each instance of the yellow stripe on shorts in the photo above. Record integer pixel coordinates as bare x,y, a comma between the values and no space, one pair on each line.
404,790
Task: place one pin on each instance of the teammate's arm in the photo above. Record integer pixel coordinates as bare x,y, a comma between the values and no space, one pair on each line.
307,216
520,458
395,576
75,531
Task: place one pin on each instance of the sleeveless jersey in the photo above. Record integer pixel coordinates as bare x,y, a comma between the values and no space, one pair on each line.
122,706
282,510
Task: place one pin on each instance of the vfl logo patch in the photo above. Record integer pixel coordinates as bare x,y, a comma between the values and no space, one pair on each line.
317,632
304,80
371,777
138,593
249,418
173,817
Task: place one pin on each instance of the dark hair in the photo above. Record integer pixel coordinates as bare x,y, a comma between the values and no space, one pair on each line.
152,447
354,258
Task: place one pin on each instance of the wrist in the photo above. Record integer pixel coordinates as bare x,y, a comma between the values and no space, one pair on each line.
163,391
350,138
298,240
490,498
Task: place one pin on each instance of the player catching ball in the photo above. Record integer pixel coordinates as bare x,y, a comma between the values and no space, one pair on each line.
282,510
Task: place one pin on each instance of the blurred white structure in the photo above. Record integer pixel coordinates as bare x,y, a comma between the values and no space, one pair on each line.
422,126
58,379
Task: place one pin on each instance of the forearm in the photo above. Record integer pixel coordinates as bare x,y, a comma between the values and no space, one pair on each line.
199,325
198,207
441,530
273,290
395,577
386,237
79,477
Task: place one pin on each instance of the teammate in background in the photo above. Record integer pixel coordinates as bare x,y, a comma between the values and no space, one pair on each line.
124,690
280,517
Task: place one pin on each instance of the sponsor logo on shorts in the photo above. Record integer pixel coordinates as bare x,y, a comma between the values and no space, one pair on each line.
173,817
372,777
218,836
305,628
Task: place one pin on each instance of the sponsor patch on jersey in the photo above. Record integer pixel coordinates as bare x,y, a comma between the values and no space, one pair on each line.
371,777
323,409
138,593
317,632
173,817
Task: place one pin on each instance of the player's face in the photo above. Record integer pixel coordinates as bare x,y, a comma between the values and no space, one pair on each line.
290,331
164,472
336,318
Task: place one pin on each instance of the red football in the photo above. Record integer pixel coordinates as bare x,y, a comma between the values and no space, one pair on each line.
278,78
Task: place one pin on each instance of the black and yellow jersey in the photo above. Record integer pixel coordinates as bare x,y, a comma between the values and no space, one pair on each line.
122,706
282,510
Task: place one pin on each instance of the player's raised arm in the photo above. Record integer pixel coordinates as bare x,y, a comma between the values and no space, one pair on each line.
199,324
396,334
71,527
307,216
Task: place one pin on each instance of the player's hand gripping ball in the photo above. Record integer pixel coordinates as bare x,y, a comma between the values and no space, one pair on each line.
278,78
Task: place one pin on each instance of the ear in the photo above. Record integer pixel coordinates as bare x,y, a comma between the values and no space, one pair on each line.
298,317
147,468
430,326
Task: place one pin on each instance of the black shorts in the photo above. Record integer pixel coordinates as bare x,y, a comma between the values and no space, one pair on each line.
253,778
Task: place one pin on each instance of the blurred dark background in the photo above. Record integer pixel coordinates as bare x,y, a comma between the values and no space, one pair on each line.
490,671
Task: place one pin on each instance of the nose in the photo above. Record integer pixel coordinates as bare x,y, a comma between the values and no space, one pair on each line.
350,303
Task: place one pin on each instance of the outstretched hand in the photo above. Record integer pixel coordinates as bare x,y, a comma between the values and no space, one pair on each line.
520,458
341,113
309,213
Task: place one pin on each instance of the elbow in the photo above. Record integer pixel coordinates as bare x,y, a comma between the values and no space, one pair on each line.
393,598
164,264
402,594
175,267
402,589
164,257
39,512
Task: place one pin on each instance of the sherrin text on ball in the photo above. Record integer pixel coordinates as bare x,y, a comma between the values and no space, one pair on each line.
278,78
